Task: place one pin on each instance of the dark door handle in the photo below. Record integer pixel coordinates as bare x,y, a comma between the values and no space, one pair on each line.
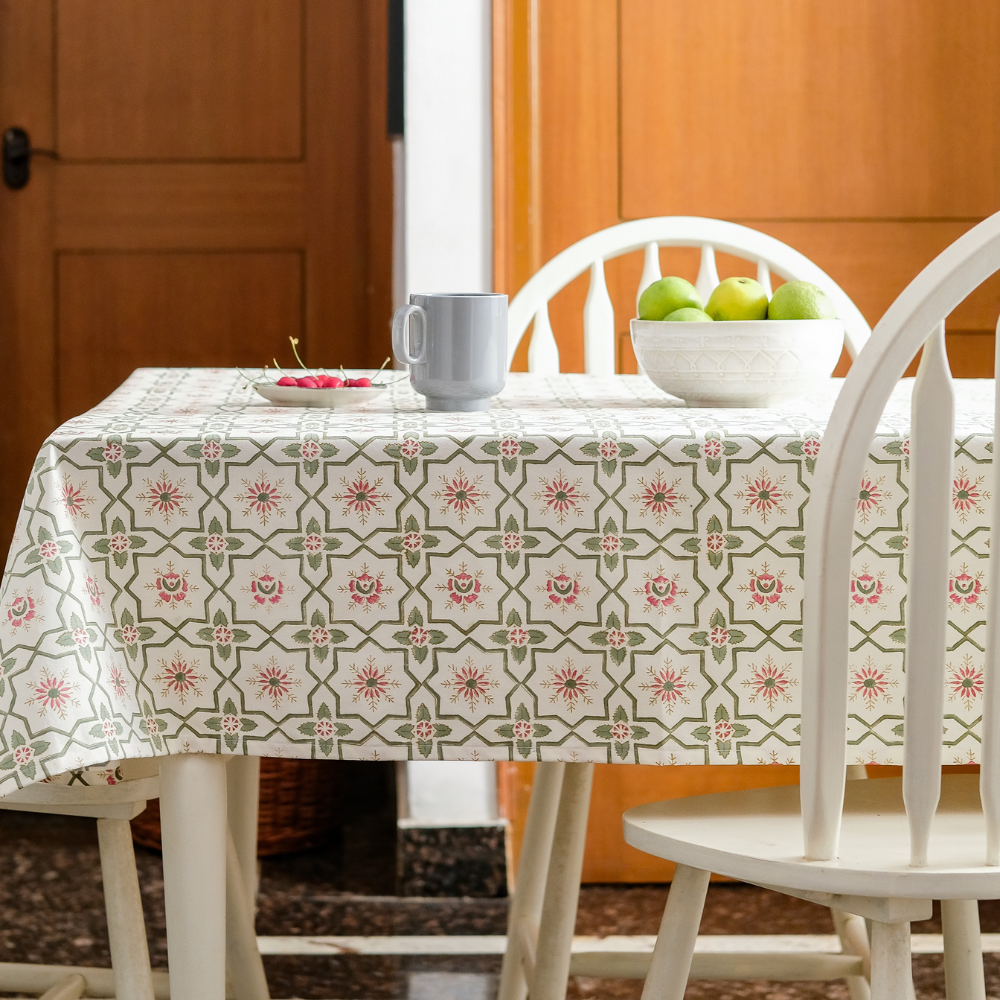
17,153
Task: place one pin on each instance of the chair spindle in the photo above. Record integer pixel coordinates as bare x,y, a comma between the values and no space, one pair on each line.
598,325
932,448
650,270
543,352
764,276
708,276
989,775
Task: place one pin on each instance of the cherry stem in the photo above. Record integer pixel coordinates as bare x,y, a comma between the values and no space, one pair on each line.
280,369
295,351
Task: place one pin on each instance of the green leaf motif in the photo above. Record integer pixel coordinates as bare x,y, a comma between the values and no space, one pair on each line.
899,635
796,635
409,451
898,543
314,543
724,747
703,733
797,542
694,545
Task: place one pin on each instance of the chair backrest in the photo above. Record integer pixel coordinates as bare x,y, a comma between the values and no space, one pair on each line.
914,320
772,257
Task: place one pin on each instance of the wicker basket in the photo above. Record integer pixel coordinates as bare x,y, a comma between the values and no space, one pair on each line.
298,807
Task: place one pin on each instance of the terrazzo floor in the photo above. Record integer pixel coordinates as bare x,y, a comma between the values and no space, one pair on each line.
51,910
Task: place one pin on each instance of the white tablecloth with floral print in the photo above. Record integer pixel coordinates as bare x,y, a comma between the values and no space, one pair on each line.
588,571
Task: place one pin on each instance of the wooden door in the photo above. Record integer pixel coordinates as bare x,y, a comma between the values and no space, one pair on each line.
223,182
862,133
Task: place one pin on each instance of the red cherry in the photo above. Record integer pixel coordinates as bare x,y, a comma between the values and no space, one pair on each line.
359,383
286,380
308,382
329,381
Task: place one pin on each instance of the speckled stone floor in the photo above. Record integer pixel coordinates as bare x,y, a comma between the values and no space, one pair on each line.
51,910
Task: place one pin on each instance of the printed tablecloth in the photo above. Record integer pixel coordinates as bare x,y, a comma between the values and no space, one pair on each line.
588,571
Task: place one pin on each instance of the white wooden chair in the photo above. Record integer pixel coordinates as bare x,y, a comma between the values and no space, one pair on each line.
884,848
772,257
543,909
113,804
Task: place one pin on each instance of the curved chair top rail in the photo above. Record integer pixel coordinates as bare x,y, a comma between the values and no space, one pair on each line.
915,319
677,231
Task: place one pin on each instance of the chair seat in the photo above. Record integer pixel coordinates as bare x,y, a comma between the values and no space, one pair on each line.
756,836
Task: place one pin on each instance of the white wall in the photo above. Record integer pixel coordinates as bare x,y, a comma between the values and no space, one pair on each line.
448,203
448,247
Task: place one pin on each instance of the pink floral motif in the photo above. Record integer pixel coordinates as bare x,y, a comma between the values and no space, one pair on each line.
263,498
561,497
117,680
222,634
766,589
870,682
266,589
518,636
718,636
215,544
409,447
570,684
668,686
871,497
230,724
362,496
463,589
810,447
723,730
610,544
966,591
522,729
660,592
172,588
715,541
118,542
54,694
967,495
372,682
164,497
461,495
510,448
659,498
471,684
965,682
419,636
130,634
413,541
365,590
511,541
24,754
769,682
21,609
48,550
179,678
562,590
94,591
275,682
312,543
324,729
712,448
764,494
73,498
620,731
113,452
609,449
211,451
310,450
868,591
617,639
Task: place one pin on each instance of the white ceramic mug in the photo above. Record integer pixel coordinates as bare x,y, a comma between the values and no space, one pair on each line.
456,347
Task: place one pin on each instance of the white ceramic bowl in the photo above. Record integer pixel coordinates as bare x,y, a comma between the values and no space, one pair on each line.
332,399
742,363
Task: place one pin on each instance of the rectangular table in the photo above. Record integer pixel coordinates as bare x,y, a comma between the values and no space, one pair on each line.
586,572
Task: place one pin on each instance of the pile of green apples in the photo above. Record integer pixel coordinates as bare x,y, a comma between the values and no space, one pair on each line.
675,300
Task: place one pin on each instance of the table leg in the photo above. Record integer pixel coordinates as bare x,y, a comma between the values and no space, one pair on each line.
243,794
562,887
193,827
963,949
533,865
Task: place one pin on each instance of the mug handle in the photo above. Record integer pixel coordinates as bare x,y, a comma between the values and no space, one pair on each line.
400,340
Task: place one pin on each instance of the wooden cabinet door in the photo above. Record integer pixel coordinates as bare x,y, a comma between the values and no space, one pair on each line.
223,183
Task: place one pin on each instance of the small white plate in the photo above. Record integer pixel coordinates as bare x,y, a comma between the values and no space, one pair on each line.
331,399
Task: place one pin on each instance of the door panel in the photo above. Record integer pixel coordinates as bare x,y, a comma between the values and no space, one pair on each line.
153,206
188,79
119,312
785,109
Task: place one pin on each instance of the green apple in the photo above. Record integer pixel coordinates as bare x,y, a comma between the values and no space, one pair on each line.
688,315
666,296
737,298
800,300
